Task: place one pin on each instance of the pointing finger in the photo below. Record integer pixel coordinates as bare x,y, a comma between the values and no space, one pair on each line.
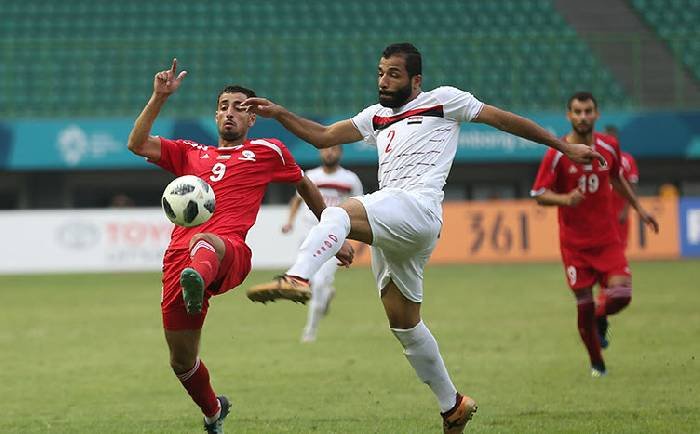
174,67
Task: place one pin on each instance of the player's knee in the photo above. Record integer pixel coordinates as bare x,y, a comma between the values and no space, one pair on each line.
182,362
208,238
620,294
336,215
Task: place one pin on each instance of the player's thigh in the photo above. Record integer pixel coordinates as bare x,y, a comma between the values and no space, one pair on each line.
400,223
234,267
212,239
613,266
360,228
401,312
403,272
578,269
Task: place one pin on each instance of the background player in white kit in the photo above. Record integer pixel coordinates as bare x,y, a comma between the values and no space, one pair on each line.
416,135
335,184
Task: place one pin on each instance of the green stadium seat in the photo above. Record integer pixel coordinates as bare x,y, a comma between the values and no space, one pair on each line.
317,56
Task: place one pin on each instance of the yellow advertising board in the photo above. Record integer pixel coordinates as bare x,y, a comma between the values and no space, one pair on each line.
522,231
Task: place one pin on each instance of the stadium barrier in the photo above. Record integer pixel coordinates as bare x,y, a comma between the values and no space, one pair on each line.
522,231
113,240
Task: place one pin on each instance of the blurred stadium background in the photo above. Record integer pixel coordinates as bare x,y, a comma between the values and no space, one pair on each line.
64,63
74,74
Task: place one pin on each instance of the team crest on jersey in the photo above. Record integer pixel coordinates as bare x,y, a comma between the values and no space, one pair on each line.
201,157
247,155
571,273
573,169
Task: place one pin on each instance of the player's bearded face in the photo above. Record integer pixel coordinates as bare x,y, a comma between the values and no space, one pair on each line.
330,156
582,115
583,127
229,132
396,98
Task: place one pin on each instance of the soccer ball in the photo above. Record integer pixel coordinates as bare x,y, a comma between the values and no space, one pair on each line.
188,201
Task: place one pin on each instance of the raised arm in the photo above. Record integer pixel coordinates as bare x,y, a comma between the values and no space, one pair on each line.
311,195
320,136
527,129
140,141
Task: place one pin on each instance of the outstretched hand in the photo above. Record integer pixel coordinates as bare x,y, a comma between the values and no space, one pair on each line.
167,82
583,154
650,221
345,255
261,107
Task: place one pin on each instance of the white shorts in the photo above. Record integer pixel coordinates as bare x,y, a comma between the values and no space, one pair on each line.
405,230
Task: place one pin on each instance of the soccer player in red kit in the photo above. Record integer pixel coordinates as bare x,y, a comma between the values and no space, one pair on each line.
212,258
590,243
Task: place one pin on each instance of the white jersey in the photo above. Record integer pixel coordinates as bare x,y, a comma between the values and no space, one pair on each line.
334,187
417,142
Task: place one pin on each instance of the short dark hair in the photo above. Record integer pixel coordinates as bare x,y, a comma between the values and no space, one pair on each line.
234,88
582,96
411,56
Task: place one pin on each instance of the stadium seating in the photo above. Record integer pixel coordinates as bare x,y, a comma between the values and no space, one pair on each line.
86,58
676,22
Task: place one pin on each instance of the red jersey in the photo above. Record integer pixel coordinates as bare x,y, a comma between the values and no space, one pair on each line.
629,171
590,223
239,176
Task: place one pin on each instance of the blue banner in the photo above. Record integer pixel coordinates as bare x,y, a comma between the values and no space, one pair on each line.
689,210
101,143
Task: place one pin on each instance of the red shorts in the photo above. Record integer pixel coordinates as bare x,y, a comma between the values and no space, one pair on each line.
585,267
233,269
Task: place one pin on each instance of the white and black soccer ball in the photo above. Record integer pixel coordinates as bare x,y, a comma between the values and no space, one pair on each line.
188,201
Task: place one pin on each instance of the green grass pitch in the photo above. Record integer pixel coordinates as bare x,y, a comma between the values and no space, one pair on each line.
85,353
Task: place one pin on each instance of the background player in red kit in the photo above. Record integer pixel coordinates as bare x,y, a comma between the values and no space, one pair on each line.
630,172
213,258
590,243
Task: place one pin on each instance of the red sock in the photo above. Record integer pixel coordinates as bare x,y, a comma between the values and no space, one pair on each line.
203,258
587,330
196,381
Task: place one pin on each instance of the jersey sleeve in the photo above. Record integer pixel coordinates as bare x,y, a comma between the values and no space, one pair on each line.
547,174
629,169
363,123
457,104
285,168
172,156
617,165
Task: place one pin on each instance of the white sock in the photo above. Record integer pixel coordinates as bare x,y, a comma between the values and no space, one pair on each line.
423,354
216,415
322,243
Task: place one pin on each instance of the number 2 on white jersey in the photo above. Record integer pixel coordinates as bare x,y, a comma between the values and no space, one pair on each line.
218,171
390,136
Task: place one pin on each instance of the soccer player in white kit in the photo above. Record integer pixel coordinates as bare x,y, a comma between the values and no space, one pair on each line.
416,135
335,184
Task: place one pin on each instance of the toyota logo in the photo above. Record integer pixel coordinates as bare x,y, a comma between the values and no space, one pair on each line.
77,235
